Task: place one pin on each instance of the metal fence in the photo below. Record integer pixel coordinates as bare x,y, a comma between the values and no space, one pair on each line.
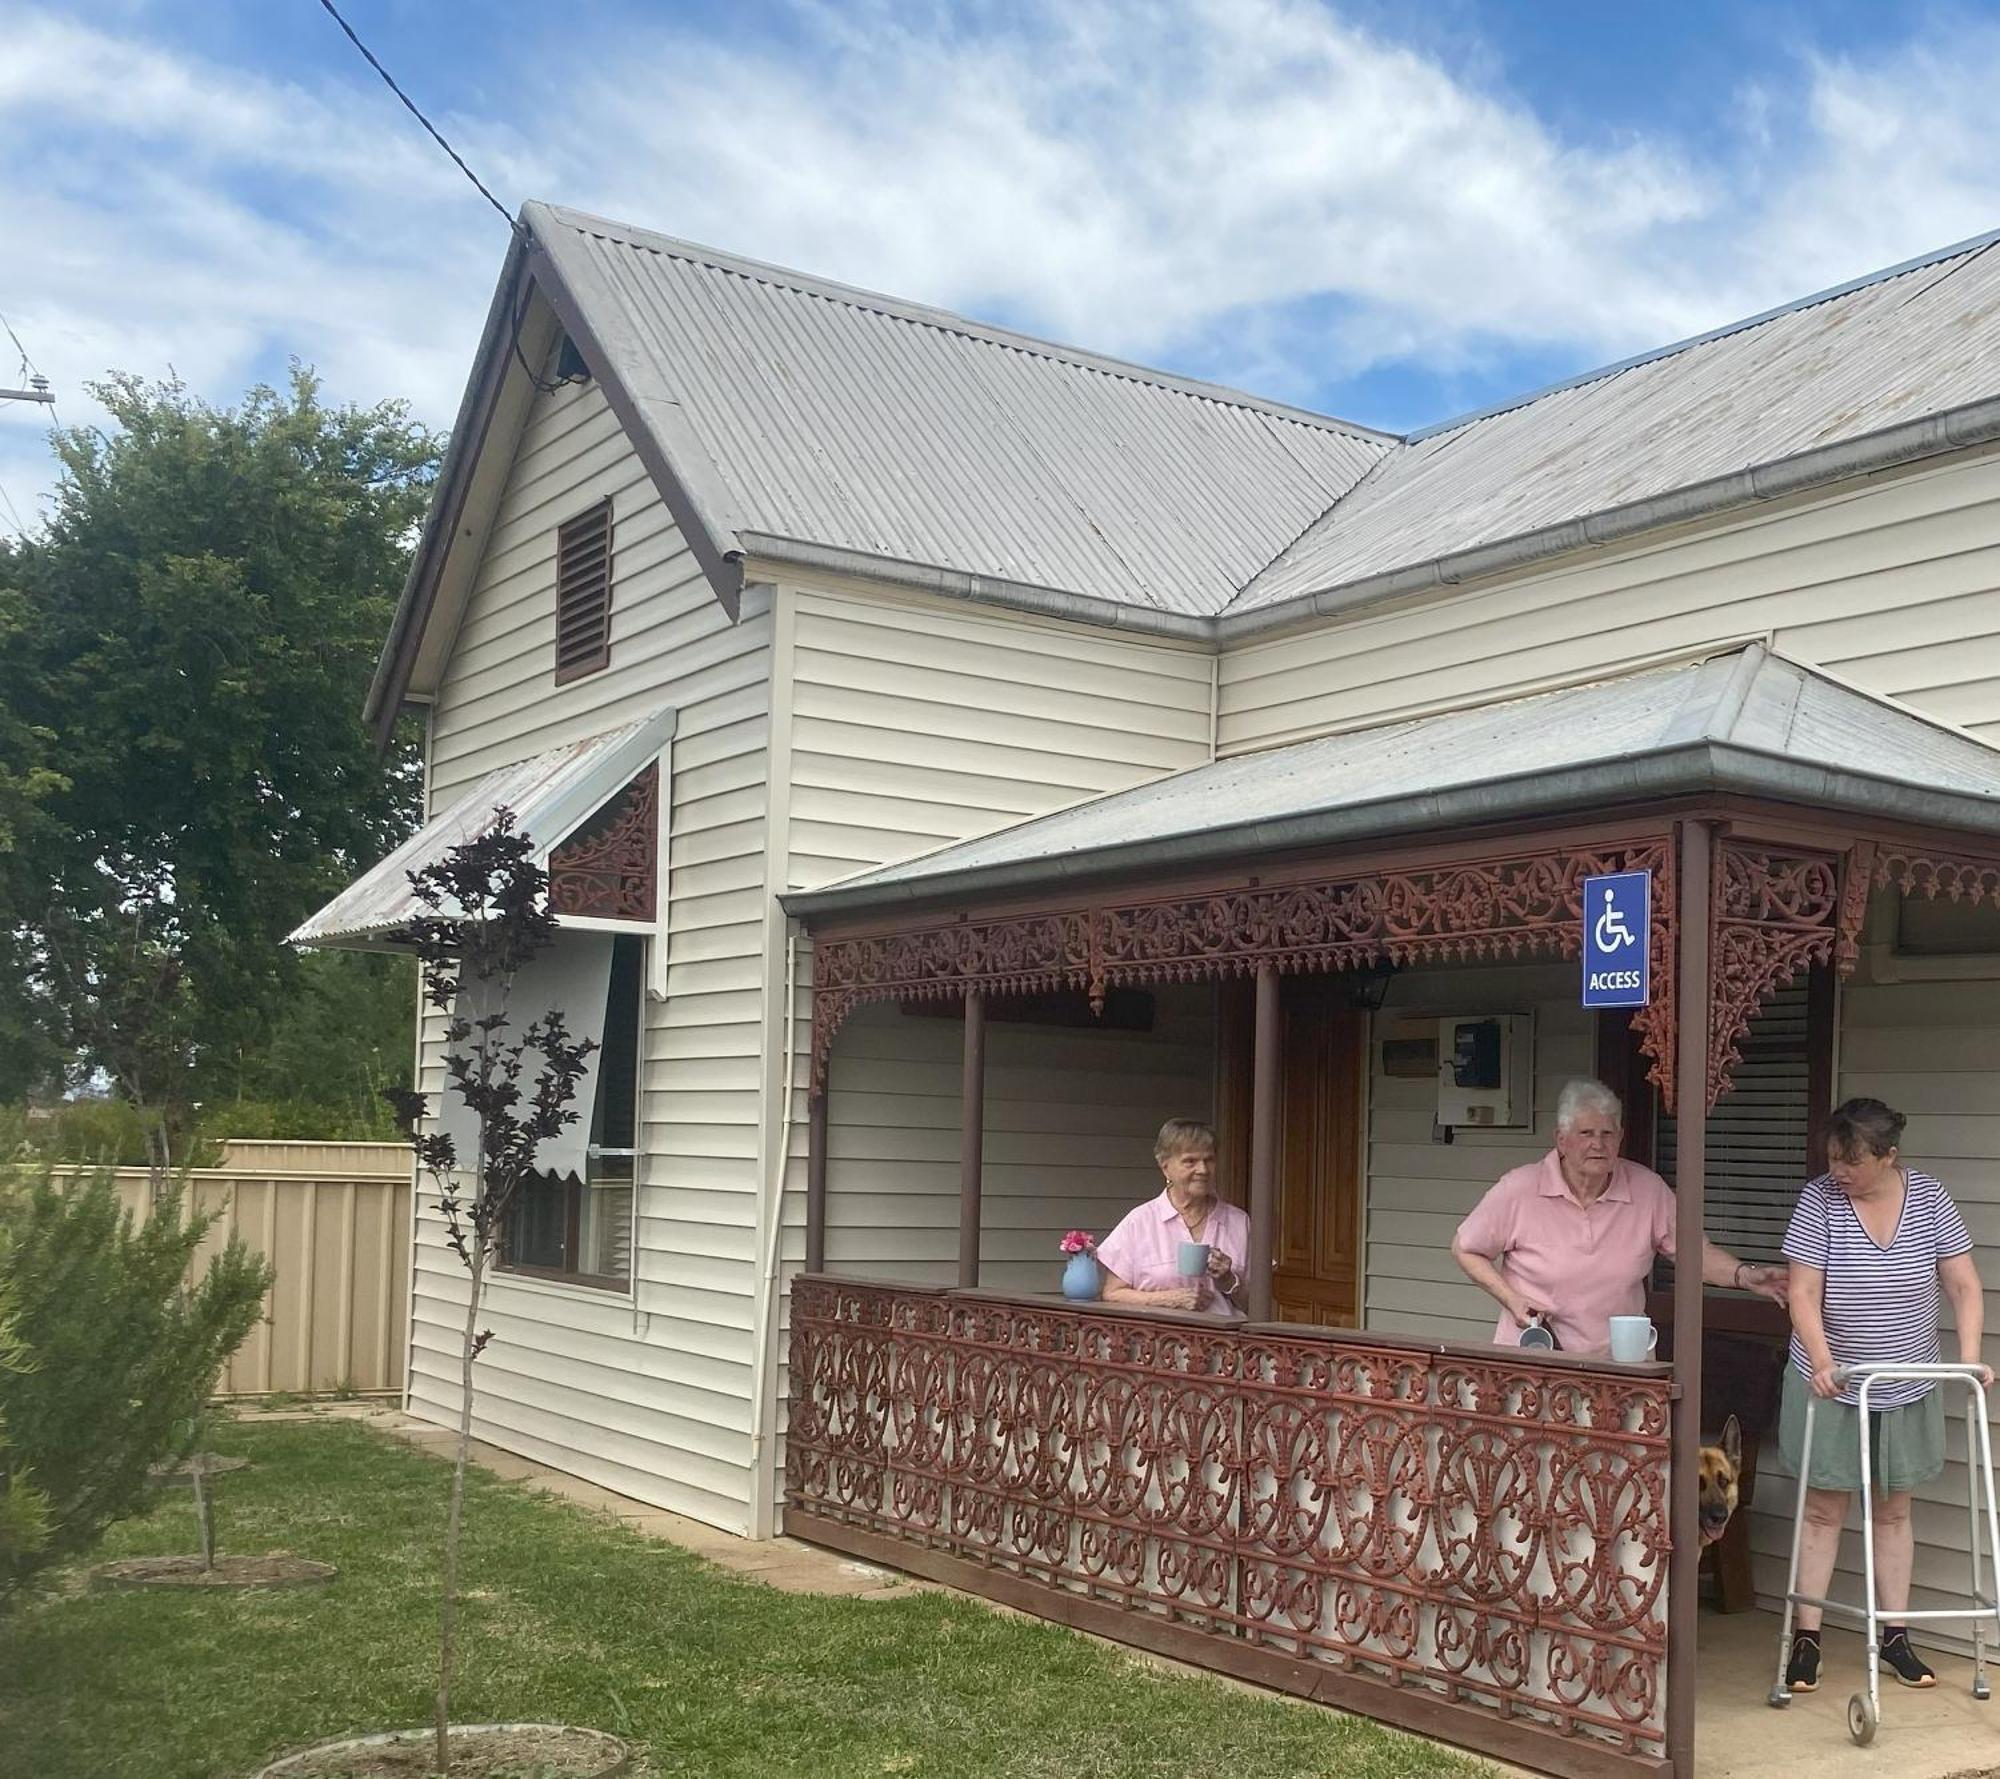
338,1241
1471,1543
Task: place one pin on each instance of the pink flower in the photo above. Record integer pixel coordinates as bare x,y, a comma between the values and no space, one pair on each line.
1078,1241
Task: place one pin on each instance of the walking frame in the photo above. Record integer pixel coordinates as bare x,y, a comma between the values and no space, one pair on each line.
1864,1709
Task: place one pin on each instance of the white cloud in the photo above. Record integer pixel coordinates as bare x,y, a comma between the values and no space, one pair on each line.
1256,189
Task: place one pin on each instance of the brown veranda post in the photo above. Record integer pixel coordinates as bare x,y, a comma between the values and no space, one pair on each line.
816,1180
1263,1141
1690,1122
972,1137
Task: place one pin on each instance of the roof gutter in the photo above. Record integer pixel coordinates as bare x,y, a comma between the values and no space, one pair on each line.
1931,435
978,589
1599,787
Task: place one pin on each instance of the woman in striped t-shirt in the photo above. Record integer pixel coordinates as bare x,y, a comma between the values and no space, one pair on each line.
1871,1244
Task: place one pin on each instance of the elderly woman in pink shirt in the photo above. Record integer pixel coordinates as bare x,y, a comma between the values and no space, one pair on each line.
1572,1237
1141,1257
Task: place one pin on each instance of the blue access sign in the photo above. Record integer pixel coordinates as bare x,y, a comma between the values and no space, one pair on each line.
1618,939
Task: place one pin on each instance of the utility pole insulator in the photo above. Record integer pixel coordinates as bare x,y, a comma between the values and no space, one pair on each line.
38,390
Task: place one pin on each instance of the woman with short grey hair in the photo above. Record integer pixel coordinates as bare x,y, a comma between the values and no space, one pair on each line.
1569,1240
1141,1259
1586,1096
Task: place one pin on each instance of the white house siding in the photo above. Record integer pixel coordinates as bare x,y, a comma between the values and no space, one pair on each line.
1932,1050
913,724
650,1394
1418,1191
1894,586
918,724
1070,1120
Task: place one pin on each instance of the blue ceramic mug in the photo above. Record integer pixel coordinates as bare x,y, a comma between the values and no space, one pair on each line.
1194,1259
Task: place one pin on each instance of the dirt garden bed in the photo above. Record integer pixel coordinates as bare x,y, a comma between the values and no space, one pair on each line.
228,1572
478,1751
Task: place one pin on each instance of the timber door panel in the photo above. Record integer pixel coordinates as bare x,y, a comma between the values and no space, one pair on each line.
1317,1250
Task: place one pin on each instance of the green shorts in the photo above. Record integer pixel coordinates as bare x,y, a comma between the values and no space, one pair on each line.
1906,1444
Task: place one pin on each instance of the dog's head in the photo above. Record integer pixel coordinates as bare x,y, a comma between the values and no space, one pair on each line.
1721,1464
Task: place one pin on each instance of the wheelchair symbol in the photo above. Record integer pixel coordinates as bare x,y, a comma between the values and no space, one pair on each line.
1611,932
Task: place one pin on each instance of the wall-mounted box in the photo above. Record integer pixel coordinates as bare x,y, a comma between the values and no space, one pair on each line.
1486,1071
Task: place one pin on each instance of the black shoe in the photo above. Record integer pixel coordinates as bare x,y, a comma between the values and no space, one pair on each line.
1802,1671
1903,1661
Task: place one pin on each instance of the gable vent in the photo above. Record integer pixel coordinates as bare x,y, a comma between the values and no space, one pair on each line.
583,593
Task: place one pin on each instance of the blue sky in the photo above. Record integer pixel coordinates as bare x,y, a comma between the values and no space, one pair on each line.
1386,212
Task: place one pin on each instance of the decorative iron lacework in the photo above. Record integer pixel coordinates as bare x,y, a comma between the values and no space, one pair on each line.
610,867
1774,913
1525,905
1489,1530
1956,877
1778,910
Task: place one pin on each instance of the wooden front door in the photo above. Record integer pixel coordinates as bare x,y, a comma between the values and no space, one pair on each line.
1316,1248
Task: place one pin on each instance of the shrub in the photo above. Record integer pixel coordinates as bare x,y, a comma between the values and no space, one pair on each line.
24,1509
118,1354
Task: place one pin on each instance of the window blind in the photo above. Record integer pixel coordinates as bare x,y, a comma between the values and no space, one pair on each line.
1758,1134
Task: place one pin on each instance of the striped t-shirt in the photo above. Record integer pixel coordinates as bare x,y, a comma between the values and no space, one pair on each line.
1880,1304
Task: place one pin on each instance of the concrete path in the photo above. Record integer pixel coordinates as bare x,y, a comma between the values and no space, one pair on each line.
1937,1734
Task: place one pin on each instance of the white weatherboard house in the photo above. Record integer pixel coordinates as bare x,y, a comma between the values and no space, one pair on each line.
956,753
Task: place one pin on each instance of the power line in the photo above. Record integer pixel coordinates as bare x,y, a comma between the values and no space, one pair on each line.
410,104
20,530
513,223
27,363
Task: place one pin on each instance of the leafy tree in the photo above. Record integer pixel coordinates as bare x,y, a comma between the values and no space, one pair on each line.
116,1353
343,1038
485,914
189,640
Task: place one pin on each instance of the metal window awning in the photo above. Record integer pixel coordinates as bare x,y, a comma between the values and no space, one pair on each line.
551,796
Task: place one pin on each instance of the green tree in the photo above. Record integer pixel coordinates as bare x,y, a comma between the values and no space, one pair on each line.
344,1037
116,1353
195,631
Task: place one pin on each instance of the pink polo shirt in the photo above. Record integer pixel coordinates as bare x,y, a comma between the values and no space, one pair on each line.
1582,1264
1144,1250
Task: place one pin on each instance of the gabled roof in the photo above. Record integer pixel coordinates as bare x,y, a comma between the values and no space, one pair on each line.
786,419
1748,721
1915,340
822,414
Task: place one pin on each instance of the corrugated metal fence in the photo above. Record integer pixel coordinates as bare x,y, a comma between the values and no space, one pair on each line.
333,1219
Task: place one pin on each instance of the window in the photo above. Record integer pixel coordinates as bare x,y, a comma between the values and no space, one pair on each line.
574,1223
1759,1138
583,593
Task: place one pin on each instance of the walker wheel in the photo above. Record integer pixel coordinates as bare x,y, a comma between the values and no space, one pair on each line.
1861,1719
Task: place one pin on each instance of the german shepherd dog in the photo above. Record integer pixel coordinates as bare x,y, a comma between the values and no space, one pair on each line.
1721,1465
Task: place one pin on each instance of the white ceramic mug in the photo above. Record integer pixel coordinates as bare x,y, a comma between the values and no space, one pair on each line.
1634,1339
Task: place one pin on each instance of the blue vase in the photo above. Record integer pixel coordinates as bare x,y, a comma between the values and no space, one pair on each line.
1081,1279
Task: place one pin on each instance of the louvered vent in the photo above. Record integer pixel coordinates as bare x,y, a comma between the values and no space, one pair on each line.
583,594
1757,1136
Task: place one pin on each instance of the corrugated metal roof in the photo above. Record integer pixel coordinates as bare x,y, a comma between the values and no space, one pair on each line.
1802,736
832,416
1906,343
550,795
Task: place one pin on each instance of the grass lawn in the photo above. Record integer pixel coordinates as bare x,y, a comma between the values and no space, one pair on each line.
576,1619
